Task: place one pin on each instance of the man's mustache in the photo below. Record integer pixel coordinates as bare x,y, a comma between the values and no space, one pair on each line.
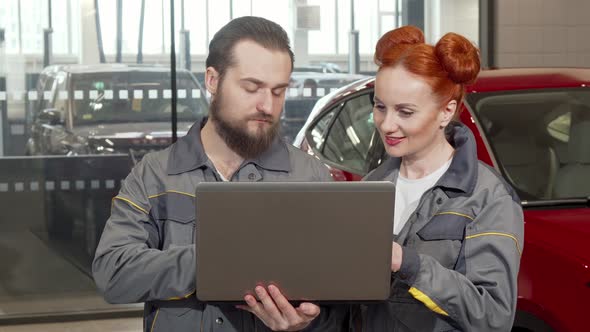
262,117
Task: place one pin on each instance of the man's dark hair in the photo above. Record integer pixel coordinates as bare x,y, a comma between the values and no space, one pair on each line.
257,29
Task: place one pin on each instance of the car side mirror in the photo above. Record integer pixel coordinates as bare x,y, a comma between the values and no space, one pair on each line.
51,116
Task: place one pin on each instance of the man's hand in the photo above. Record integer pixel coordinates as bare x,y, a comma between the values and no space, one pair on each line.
396,257
277,313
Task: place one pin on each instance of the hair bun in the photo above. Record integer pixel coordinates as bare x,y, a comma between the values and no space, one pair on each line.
391,44
458,57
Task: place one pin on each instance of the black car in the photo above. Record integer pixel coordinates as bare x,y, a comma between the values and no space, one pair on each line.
110,108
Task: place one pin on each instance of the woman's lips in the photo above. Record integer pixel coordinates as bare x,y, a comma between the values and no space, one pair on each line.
392,141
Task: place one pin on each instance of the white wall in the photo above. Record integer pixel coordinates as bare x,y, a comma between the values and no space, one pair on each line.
459,16
532,33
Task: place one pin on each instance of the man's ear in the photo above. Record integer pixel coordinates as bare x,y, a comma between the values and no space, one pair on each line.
211,80
448,113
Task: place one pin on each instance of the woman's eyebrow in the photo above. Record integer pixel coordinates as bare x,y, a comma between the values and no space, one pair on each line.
397,106
405,105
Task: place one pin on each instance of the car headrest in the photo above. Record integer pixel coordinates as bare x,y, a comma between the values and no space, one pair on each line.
579,141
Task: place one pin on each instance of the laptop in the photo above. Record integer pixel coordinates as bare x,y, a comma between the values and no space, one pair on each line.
320,241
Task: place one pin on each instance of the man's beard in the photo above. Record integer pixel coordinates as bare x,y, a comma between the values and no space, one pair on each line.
236,135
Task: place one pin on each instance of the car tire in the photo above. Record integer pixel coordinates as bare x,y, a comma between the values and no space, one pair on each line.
527,322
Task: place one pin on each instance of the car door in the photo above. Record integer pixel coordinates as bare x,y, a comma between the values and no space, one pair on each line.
34,144
59,138
42,128
539,139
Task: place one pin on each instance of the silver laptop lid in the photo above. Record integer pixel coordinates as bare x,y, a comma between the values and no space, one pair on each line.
322,241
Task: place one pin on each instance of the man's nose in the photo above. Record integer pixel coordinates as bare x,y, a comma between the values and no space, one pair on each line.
265,101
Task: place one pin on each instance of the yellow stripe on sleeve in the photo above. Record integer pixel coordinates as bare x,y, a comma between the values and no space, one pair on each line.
497,234
418,295
182,297
456,214
132,204
154,322
171,191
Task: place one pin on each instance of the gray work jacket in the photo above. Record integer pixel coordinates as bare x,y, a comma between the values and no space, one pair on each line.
146,252
461,251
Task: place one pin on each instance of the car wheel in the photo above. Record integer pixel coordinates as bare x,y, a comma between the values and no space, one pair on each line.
527,322
520,329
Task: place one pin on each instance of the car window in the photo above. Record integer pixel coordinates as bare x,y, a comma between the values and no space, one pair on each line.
61,100
350,137
318,131
539,139
103,107
45,88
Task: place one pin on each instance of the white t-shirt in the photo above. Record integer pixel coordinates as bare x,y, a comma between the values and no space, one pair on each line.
408,193
222,177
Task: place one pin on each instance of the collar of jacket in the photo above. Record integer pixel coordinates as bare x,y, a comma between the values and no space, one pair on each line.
461,177
188,154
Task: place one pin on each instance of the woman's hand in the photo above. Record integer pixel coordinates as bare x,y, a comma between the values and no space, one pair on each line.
396,257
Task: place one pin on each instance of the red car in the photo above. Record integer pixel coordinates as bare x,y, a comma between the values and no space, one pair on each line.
532,126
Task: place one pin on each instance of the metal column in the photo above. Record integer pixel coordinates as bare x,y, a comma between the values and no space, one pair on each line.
184,42
353,45
3,103
47,39
487,36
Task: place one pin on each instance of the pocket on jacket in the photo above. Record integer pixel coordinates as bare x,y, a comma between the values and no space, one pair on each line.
442,237
417,317
176,215
177,319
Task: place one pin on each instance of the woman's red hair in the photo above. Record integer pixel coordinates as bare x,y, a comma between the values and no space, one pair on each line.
447,67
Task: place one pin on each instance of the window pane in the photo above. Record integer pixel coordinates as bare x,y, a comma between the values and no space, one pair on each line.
153,29
365,22
107,10
33,20
387,23
74,26
387,5
218,16
70,134
343,26
130,32
9,19
194,21
324,40
59,22
278,11
242,8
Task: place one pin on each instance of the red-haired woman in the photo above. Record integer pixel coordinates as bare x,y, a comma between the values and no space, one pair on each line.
458,226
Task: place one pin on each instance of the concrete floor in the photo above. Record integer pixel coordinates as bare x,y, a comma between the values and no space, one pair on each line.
112,325
40,278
